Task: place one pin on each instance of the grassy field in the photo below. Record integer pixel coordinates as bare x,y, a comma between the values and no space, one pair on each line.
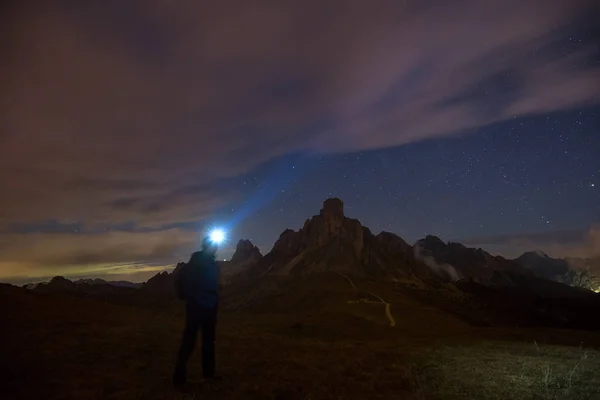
501,370
311,341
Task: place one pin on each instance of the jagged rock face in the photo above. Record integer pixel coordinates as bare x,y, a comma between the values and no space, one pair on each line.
161,283
433,244
330,241
331,224
245,256
333,217
304,251
392,242
178,267
333,208
245,252
289,242
453,261
391,249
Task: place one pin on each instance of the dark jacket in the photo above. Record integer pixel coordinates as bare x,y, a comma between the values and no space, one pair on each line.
200,281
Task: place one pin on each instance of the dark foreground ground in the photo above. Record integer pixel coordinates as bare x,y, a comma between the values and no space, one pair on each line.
330,342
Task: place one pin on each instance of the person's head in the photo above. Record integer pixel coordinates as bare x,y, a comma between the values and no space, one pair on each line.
209,246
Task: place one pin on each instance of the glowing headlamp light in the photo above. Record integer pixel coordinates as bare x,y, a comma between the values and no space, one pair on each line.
217,236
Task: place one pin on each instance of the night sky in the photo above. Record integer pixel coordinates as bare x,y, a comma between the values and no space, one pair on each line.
127,129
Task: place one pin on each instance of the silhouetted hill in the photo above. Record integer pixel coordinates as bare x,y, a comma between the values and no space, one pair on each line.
60,284
161,283
323,337
542,265
98,281
578,272
507,289
537,302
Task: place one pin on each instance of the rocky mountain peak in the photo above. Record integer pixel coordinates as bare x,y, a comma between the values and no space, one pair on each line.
332,214
432,242
331,225
391,240
532,255
177,267
289,241
245,251
60,282
333,209
330,241
161,283
540,253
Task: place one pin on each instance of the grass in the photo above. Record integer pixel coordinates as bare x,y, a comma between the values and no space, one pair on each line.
307,343
508,370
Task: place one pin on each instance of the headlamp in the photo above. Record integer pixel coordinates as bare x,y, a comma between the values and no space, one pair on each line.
217,236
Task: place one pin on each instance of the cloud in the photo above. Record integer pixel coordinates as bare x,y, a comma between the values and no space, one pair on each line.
445,271
574,243
42,254
141,110
118,107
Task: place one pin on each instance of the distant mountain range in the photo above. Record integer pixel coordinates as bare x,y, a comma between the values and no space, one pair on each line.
331,242
578,272
61,282
533,288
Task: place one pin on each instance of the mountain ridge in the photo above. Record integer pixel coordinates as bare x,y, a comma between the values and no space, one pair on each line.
332,242
578,272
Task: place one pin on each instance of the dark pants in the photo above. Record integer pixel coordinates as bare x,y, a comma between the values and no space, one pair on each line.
206,320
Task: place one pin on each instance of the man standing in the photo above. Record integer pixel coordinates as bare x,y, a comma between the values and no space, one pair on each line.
197,283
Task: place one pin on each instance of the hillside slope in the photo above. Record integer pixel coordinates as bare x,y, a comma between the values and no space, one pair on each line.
324,336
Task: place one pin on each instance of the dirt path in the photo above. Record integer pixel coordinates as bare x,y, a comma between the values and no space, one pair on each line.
349,280
388,309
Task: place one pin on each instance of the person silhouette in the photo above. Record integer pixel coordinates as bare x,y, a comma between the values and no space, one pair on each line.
197,283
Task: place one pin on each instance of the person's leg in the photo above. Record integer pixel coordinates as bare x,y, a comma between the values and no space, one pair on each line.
188,343
208,324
